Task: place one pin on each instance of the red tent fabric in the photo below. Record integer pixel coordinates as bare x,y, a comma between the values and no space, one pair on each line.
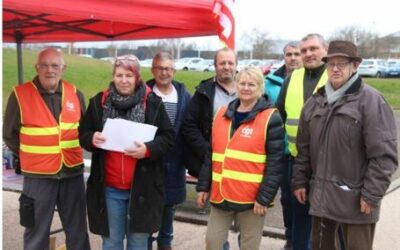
105,20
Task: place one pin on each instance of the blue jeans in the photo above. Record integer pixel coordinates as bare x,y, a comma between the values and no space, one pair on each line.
301,220
166,233
117,211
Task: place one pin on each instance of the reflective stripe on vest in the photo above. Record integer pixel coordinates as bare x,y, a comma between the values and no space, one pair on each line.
45,144
238,163
294,102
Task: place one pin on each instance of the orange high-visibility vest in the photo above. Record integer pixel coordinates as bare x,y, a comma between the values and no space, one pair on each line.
238,163
46,144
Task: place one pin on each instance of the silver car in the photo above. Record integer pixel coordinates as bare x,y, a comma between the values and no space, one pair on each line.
373,67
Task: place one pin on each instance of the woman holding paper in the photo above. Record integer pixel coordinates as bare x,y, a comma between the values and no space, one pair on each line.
125,191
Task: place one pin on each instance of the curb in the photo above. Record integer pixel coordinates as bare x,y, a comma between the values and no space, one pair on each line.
393,186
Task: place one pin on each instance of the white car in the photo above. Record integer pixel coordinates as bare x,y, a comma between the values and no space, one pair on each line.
146,63
85,55
248,63
204,66
108,59
372,67
187,62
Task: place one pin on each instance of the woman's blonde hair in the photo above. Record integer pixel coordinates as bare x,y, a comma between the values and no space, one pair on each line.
254,73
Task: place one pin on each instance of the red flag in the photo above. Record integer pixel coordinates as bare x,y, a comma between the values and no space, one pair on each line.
223,10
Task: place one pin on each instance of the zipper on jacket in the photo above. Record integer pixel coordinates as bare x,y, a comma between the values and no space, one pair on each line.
130,201
122,169
156,114
101,122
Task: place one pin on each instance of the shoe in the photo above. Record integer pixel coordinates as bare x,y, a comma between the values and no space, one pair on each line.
164,248
288,245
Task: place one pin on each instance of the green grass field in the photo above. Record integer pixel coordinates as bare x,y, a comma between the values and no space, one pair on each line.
93,75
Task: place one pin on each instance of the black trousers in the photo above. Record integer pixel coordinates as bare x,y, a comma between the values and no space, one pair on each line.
69,196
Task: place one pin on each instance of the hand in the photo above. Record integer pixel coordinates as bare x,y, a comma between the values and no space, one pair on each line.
137,152
259,209
300,195
98,139
201,199
365,207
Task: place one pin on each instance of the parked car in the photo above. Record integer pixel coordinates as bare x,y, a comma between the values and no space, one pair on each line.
266,65
85,55
108,59
373,67
187,62
146,63
393,70
247,63
204,65
277,65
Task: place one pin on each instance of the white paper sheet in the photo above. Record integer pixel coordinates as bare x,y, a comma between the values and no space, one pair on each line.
121,134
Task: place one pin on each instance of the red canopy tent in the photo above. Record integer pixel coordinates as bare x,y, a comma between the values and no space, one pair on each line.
37,21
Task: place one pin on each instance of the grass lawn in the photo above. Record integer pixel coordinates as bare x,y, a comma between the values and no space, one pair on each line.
93,75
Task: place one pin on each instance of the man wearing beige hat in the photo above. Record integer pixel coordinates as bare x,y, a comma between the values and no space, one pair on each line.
347,152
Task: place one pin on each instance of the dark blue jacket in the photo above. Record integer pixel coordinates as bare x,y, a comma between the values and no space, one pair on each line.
175,172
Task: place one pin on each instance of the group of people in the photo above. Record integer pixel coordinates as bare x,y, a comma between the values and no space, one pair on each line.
312,128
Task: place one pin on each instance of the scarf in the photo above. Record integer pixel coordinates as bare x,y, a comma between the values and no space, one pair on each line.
125,107
333,95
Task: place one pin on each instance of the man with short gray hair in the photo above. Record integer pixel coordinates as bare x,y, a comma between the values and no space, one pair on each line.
176,99
273,85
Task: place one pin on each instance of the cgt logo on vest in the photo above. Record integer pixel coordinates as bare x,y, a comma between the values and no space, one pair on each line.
70,106
246,132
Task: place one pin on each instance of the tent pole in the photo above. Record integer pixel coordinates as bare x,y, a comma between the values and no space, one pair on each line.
18,38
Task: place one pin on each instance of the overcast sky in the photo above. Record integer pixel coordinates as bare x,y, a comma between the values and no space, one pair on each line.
293,19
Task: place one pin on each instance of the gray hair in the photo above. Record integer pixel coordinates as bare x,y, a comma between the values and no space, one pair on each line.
315,35
292,44
163,55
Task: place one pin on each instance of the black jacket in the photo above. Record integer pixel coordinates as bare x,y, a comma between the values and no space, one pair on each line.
147,191
275,160
196,128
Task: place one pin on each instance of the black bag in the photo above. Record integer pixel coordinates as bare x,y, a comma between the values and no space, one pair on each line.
26,211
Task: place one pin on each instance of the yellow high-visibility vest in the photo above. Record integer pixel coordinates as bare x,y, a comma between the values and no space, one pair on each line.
294,102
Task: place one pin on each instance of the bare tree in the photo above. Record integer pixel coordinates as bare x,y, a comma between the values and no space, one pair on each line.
174,46
112,50
259,42
367,42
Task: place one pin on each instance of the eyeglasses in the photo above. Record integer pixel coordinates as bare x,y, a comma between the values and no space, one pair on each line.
339,65
161,69
131,58
53,66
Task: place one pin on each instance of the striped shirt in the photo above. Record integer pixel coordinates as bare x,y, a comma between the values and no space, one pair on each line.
170,101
